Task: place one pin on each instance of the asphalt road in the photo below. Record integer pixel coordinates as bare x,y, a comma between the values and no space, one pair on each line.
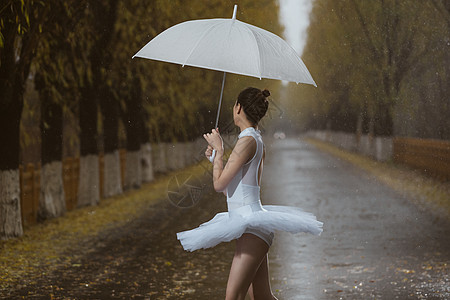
376,244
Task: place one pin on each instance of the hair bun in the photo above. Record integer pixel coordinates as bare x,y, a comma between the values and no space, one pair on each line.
266,93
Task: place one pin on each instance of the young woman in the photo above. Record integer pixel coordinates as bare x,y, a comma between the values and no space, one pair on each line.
247,220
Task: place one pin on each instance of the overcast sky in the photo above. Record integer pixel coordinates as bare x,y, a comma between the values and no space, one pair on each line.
294,16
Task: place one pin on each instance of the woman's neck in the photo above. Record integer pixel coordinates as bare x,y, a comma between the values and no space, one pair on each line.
245,126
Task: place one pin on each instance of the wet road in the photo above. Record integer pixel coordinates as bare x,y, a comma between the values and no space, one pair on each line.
375,244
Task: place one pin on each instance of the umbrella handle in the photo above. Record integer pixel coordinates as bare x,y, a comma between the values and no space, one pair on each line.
211,158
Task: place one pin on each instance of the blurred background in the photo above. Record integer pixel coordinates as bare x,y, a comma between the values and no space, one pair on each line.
82,124
70,90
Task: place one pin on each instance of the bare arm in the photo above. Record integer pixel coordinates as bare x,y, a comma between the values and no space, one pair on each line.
243,151
208,154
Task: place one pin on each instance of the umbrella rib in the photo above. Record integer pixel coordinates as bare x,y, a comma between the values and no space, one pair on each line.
259,52
199,40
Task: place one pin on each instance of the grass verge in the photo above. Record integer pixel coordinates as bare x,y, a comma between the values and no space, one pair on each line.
427,192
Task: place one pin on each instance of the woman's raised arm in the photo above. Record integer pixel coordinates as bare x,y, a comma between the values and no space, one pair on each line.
243,151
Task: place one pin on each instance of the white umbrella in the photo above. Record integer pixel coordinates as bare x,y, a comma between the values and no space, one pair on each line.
228,45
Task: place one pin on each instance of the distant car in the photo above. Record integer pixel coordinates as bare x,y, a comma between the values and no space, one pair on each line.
279,135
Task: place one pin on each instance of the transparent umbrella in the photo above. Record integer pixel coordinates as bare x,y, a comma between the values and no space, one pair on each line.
230,46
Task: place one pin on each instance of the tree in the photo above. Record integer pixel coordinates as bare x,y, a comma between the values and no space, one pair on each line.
363,54
20,23
54,82
101,17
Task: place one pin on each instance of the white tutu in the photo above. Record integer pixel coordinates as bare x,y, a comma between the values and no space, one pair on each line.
246,212
227,226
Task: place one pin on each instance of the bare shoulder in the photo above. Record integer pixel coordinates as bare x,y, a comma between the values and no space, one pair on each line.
244,149
247,143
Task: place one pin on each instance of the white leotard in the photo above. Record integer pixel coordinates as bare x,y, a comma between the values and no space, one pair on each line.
245,212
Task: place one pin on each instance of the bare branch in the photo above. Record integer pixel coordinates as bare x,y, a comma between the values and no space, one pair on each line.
370,42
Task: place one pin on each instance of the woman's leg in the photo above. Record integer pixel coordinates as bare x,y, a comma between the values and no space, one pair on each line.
250,252
250,291
261,284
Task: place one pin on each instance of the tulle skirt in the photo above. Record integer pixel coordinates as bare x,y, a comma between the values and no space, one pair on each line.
227,226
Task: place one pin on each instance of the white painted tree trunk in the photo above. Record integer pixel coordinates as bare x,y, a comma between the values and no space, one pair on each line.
133,170
112,184
171,154
146,162
162,147
10,214
180,154
155,158
89,182
200,148
189,153
52,202
158,158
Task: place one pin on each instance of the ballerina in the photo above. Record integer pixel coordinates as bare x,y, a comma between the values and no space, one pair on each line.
247,221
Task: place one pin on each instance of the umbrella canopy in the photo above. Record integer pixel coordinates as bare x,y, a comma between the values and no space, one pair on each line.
228,45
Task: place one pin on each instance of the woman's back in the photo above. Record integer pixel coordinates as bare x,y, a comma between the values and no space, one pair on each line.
241,178
244,189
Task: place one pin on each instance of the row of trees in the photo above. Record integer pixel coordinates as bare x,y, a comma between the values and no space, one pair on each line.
382,67
76,56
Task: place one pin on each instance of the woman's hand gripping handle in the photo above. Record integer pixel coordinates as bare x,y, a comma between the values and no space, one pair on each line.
215,143
210,153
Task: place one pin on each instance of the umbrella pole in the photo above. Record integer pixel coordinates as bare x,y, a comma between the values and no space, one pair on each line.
220,100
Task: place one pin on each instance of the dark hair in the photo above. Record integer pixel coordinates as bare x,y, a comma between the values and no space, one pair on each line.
254,102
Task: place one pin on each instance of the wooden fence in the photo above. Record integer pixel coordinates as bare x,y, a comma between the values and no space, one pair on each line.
429,156
159,154
30,188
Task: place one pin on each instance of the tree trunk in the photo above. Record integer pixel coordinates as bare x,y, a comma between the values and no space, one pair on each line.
104,15
16,56
146,162
89,184
10,214
133,174
371,132
159,157
146,151
11,104
133,171
112,184
52,201
133,124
